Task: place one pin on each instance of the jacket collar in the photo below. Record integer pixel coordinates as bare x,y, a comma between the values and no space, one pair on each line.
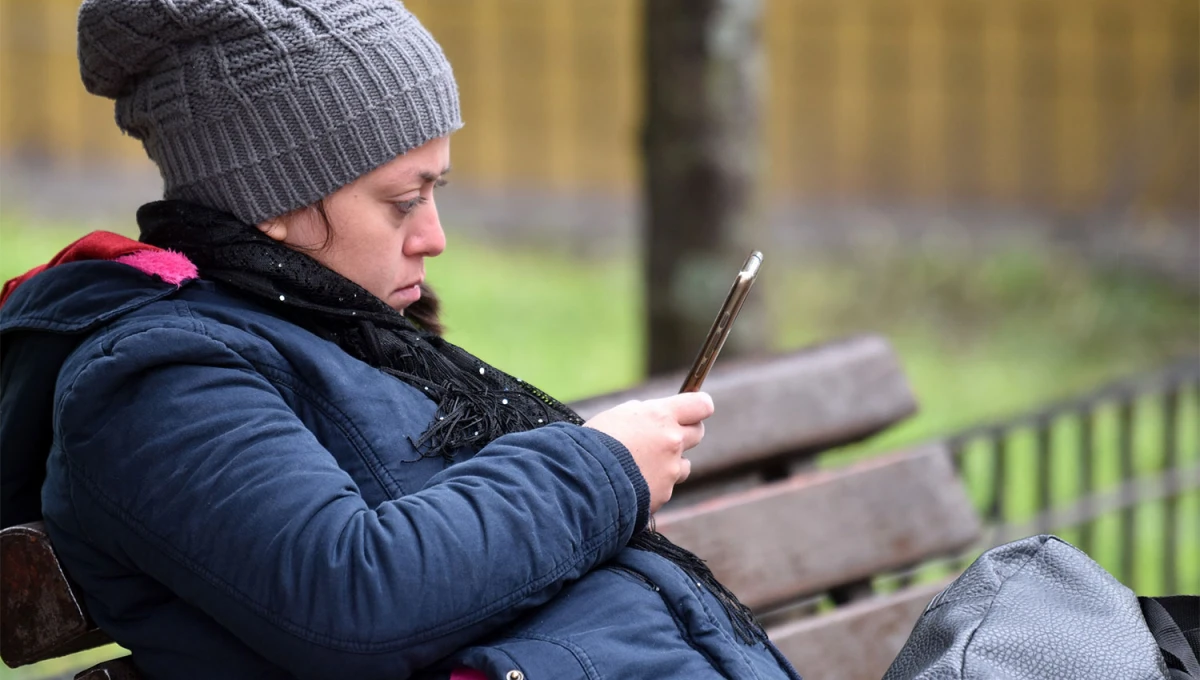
96,278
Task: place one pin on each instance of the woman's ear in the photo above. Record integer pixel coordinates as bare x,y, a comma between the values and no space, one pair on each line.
274,228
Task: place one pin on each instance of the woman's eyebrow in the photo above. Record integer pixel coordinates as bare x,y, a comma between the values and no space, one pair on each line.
430,177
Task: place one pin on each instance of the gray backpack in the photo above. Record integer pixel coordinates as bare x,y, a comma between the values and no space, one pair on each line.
1041,608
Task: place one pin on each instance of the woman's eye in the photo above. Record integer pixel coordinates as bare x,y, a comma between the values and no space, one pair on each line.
410,205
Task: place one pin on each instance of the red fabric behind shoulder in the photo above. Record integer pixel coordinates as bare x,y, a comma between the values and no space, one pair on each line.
98,245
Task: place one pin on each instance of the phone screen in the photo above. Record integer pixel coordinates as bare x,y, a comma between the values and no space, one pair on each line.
722,324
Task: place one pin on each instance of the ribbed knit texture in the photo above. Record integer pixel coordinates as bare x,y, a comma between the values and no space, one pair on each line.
259,107
640,489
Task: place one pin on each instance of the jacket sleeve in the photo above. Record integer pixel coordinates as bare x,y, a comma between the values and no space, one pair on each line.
188,463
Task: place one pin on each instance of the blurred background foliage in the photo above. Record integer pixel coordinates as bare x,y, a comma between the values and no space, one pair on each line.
1007,190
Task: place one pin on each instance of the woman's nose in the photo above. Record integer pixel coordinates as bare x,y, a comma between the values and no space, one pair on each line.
426,238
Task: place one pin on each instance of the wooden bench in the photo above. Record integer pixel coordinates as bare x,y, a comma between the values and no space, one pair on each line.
778,531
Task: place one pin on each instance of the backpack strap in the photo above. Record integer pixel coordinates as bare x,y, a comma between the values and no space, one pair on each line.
1175,624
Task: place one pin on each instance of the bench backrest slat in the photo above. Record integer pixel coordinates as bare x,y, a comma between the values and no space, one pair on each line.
799,402
857,641
822,529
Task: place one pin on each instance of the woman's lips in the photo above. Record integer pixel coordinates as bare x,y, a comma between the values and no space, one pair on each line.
409,294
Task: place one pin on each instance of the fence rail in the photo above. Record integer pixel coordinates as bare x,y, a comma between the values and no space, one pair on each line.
1117,472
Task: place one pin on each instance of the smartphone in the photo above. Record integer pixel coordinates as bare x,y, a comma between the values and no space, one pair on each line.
722,324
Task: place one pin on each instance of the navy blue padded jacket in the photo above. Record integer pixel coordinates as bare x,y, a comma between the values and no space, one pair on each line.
239,498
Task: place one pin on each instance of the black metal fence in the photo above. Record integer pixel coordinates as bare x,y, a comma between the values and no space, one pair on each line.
1116,472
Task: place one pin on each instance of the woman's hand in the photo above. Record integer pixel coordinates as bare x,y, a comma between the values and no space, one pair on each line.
657,432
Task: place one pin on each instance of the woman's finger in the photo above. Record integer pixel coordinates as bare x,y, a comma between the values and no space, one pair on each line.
685,470
692,434
691,407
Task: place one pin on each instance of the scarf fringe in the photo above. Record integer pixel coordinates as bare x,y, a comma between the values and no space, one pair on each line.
748,629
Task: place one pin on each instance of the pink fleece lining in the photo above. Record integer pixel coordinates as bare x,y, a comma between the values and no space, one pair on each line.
467,674
170,266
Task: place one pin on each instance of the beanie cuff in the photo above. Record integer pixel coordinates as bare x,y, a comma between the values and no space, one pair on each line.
273,161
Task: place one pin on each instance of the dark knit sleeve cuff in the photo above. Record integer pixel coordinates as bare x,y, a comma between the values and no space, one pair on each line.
640,488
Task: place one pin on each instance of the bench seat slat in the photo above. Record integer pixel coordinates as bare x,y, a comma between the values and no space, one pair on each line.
857,641
799,402
822,529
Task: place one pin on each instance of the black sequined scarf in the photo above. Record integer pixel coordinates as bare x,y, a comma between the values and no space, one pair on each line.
476,402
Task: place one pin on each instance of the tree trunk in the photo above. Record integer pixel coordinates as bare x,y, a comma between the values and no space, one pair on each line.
701,156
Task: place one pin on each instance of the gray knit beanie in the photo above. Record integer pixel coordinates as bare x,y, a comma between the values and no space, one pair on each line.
258,107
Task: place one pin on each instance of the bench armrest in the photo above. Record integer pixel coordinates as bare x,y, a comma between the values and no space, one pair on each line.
41,614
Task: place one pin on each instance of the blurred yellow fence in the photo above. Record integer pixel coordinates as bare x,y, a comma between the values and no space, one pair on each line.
1064,105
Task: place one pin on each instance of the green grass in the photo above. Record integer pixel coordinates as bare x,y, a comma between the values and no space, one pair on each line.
979,339
987,337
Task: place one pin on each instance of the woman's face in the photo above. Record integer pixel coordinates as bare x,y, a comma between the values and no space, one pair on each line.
381,226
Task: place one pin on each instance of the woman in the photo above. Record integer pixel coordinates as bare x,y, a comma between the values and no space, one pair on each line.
263,461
